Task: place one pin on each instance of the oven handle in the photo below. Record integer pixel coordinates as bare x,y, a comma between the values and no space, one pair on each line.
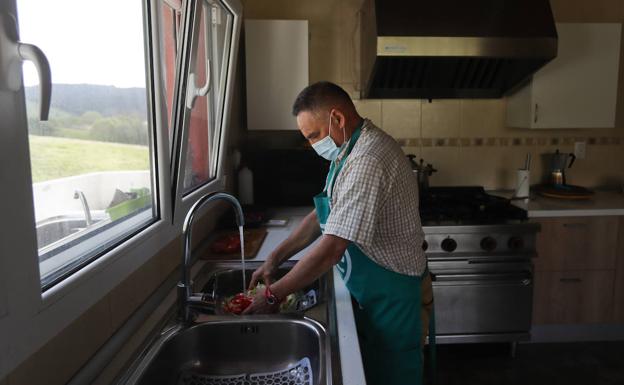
522,279
487,261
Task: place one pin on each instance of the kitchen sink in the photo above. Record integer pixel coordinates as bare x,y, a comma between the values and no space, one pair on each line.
228,281
260,350
295,348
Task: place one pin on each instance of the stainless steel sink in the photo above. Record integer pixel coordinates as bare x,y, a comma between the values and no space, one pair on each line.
228,280
235,350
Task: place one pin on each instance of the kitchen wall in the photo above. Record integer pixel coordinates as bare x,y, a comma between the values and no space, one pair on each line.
466,140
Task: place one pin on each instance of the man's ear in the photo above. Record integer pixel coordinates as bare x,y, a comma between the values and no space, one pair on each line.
340,119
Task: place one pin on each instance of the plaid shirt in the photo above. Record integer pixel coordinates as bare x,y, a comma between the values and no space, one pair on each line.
374,203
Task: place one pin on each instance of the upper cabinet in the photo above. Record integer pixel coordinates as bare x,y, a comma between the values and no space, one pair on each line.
277,70
578,89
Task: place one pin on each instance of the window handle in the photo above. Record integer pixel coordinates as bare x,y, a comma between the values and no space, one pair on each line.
192,91
12,54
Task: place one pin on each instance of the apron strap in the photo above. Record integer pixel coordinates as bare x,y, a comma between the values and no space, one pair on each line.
336,167
432,347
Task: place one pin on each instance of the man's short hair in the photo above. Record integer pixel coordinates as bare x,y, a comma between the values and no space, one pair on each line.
320,95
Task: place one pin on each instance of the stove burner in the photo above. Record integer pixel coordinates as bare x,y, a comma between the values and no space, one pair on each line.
466,205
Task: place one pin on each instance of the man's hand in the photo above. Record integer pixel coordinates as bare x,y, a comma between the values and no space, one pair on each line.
260,305
265,273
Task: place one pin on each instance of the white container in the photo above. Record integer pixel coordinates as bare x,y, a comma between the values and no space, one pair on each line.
245,186
522,183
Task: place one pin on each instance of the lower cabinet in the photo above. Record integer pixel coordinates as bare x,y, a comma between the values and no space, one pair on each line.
573,297
579,271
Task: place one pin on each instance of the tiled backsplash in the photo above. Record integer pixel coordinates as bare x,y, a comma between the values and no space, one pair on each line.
468,142
505,142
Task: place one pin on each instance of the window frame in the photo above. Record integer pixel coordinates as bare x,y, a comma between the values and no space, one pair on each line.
183,201
31,317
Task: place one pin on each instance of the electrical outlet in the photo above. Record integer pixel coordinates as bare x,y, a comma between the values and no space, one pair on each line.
579,150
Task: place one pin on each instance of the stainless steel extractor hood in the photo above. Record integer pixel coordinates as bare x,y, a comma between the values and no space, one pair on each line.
453,48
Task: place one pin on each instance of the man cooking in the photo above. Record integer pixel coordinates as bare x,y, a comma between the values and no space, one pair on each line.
368,220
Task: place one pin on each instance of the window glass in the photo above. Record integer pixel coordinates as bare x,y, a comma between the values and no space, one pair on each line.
91,162
208,72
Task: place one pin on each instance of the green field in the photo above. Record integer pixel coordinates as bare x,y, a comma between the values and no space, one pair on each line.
54,157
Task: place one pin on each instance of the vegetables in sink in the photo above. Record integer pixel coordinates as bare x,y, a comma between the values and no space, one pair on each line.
236,304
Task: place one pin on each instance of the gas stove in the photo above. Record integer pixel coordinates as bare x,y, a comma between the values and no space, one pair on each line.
466,205
479,249
469,220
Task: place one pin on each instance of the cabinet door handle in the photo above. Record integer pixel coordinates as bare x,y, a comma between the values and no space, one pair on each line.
570,280
535,113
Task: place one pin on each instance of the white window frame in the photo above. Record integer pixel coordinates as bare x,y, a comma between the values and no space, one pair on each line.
30,318
183,202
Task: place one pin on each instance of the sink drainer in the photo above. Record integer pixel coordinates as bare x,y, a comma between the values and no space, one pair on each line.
296,374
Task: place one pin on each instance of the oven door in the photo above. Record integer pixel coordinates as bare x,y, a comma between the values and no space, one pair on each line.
469,303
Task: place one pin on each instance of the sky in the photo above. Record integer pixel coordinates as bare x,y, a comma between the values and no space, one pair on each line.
86,41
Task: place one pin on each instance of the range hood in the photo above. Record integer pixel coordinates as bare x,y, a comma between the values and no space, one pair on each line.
453,48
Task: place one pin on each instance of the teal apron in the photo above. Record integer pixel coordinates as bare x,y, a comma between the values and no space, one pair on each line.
388,317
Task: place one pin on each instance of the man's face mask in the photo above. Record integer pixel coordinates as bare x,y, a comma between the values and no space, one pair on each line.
326,147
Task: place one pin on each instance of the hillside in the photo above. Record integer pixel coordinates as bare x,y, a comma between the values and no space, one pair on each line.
54,158
107,100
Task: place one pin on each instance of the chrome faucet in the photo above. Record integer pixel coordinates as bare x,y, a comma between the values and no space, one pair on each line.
187,300
85,206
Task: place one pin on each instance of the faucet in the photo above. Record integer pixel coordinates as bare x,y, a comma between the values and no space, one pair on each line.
187,300
85,206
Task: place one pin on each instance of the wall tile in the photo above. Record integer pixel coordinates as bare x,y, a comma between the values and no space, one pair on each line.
492,167
369,108
482,117
401,118
441,118
601,167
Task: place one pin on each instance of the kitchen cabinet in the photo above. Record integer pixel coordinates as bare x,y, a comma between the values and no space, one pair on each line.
573,297
577,243
619,277
575,270
276,57
578,89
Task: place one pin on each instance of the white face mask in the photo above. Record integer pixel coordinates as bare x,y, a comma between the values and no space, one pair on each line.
326,147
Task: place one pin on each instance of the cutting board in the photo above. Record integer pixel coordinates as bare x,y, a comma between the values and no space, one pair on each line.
569,192
253,242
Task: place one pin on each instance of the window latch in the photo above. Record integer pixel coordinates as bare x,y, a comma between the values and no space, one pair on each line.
192,90
12,54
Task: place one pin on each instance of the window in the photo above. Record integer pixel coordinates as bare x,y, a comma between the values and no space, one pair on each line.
92,161
210,57
118,95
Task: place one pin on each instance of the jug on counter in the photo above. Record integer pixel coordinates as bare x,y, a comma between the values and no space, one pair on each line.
558,164
422,172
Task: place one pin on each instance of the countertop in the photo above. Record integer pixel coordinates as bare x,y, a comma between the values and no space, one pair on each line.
350,357
602,203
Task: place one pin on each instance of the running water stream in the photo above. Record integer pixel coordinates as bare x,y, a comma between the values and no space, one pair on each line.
242,247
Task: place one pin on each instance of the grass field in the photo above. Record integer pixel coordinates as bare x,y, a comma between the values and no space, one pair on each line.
54,157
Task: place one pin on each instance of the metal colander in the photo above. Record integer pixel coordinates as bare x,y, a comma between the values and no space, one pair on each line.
296,374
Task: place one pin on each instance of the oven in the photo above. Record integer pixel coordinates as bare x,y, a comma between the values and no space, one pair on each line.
483,303
482,278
